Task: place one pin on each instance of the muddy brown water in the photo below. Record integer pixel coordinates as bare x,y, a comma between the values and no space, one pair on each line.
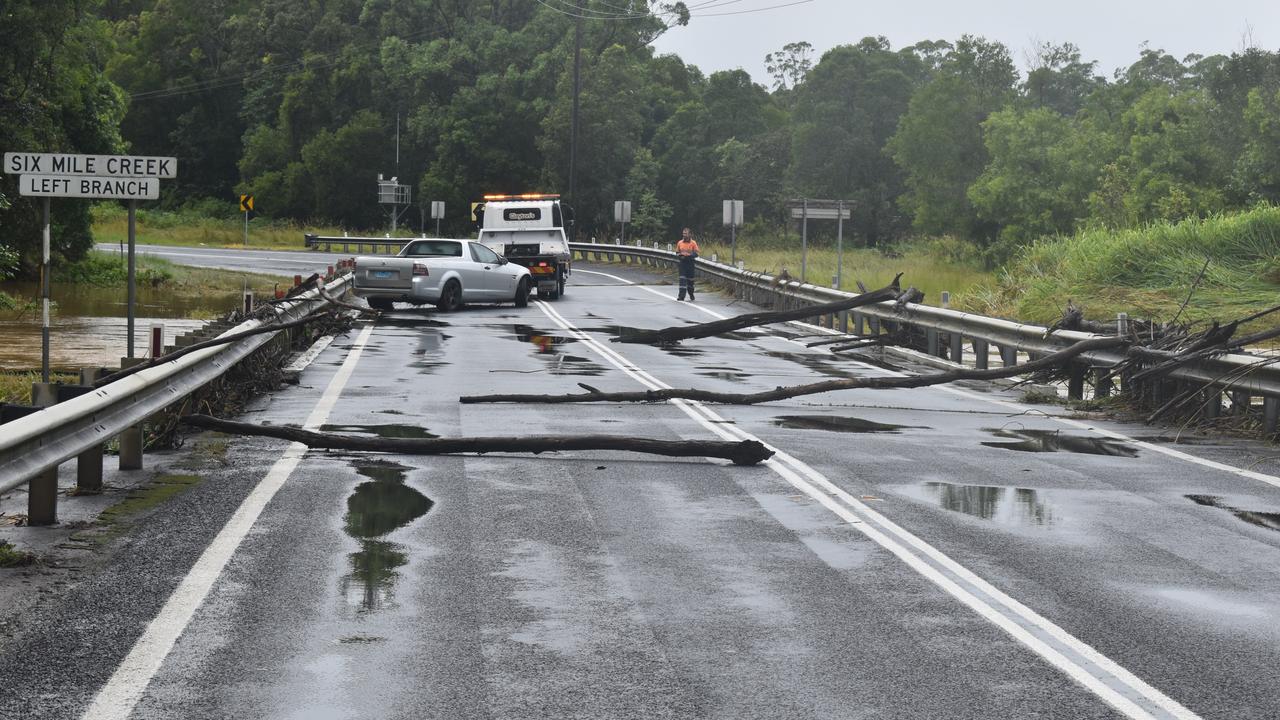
88,327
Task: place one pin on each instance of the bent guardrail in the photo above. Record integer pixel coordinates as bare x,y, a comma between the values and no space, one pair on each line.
34,445
946,333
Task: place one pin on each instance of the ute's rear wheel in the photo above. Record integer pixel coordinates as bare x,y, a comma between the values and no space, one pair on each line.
522,293
450,297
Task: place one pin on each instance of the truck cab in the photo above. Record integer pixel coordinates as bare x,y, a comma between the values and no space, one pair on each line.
529,230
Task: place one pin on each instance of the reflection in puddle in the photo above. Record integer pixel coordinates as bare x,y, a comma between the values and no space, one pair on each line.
395,430
813,362
410,321
374,509
1268,520
1054,441
431,351
546,347
836,423
545,342
990,503
723,373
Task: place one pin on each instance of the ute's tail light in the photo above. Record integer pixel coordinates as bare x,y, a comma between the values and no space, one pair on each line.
420,269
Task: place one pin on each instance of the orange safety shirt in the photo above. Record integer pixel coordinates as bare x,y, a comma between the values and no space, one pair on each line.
686,247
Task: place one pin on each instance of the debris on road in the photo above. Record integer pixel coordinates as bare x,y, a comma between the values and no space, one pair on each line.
747,452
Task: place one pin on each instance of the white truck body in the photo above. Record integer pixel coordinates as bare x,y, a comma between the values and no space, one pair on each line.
530,232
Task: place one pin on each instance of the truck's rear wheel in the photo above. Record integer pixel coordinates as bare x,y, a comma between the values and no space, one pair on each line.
522,293
450,297
560,286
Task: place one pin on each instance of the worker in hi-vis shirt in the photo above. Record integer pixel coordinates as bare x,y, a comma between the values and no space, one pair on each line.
687,249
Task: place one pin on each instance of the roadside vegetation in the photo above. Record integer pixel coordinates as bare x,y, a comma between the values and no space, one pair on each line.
15,386
1146,272
195,227
109,269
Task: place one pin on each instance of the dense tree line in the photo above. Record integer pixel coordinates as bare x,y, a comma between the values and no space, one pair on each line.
299,102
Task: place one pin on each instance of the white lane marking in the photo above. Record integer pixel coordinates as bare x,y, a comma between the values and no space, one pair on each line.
116,699
1167,451
310,355
1102,676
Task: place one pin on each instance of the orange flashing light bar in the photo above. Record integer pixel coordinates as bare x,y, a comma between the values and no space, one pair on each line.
525,196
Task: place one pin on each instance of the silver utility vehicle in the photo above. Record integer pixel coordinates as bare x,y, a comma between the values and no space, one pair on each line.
445,272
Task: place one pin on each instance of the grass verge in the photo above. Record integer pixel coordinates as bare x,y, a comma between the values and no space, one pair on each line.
15,386
104,269
11,557
192,229
1146,272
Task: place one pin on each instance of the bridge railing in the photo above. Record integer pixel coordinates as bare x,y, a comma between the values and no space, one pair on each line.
33,445
951,335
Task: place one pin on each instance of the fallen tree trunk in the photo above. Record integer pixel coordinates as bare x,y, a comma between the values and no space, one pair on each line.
747,452
784,393
719,327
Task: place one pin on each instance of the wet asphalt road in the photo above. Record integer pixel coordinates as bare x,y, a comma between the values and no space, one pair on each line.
608,585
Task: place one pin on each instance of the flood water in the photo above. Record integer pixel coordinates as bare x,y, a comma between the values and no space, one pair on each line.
88,328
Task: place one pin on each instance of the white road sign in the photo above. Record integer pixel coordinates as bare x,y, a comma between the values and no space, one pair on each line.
820,213
81,186
19,163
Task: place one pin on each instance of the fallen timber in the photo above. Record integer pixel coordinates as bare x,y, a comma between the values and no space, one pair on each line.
720,327
747,452
1048,362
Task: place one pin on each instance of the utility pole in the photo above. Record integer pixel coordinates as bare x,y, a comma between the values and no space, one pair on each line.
573,122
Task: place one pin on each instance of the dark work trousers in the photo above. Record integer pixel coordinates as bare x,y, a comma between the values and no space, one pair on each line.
687,264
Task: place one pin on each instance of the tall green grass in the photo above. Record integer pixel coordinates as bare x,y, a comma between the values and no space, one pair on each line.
193,229
1145,272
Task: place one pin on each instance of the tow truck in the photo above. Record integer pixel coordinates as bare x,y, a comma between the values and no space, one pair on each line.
528,230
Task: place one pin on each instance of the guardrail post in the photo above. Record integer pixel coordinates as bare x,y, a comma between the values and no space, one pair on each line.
931,340
981,354
1075,383
1008,355
844,321
1240,401
131,439
873,323
1101,383
42,490
1270,414
1212,404
957,348
89,462
859,323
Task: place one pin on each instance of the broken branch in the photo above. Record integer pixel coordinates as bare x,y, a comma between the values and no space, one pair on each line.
747,452
784,393
719,327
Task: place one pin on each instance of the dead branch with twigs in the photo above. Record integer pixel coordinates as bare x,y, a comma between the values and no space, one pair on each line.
1048,362
746,452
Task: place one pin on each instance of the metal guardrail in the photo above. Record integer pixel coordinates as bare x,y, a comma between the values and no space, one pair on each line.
375,246
42,440
946,332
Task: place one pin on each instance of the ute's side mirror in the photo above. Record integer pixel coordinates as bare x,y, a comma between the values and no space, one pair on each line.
502,260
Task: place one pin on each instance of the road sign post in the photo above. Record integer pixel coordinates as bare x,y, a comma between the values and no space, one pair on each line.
733,218
132,302
106,177
246,207
622,214
437,213
807,209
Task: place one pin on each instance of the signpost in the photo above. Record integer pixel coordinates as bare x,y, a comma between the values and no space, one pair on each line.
622,214
806,209
733,218
107,177
246,207
437,213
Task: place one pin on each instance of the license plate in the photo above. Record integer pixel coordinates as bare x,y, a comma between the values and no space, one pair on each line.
384,273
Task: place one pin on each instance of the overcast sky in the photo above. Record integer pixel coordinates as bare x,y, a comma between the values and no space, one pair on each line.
1111,32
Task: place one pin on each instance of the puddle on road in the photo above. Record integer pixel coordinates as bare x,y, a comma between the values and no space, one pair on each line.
991,502
837,423
813,362
394,430
374,509
723,373
1053,441
546,347
430,352
544,342
1268,520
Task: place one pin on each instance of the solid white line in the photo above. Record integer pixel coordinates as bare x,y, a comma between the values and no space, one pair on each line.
116,699
1094,671
1272,480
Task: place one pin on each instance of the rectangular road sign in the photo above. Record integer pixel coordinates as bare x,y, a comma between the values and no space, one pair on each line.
19,163
622,211
81,186
437,209
820,213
